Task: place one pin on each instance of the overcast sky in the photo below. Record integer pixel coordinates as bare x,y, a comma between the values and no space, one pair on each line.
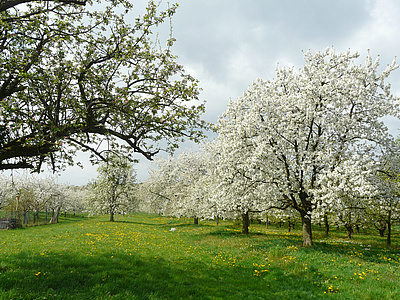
226,44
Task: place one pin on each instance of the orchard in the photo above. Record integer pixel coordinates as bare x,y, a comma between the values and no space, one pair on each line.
309,144
308,149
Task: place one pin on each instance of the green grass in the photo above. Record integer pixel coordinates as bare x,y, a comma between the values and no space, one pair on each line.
138,257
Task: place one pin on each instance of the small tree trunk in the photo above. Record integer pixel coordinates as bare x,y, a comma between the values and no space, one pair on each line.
289,226
217,220
266,223
326,222
382,231
196,221
112,216
389,235
307,231
35,217
349,229
54,218
389,227
358,228
245,223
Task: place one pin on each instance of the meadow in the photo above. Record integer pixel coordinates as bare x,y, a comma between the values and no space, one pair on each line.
138,257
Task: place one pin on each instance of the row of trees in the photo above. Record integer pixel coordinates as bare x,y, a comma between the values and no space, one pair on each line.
112,192
309,144
23,195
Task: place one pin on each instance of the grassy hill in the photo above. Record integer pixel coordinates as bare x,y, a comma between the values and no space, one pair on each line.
138,257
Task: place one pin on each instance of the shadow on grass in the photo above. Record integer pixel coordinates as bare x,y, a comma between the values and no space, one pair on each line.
123,276
167,222
367,253
157,224
73,219
226,232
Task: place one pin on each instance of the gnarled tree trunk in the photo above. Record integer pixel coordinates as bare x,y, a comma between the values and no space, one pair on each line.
307,232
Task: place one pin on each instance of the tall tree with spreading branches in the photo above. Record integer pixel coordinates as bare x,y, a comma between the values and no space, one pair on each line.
72,77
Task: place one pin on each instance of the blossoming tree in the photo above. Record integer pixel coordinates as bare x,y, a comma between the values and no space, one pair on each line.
176,187
113,190
301,126
384,208
345,193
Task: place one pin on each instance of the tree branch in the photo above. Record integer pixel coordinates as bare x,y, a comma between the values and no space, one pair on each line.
7,4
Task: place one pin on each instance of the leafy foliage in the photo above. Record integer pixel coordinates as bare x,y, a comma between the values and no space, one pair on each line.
72,77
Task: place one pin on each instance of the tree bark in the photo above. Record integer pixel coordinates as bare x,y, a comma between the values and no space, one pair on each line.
35,217
326,222
349,230
307,231
389,227
54,218
382,231
245,223
112,216
196,221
